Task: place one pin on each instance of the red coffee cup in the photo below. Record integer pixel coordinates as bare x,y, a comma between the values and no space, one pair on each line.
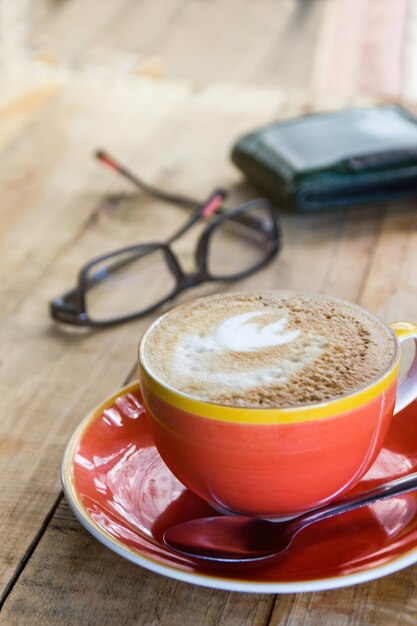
276,462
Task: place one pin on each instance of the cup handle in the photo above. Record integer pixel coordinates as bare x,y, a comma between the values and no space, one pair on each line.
407,389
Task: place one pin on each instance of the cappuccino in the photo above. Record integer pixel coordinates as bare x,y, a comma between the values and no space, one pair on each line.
268,349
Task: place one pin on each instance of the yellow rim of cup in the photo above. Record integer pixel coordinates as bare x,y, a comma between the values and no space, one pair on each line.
287,415
290,415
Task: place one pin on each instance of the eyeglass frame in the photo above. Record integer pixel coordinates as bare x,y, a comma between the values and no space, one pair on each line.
70,307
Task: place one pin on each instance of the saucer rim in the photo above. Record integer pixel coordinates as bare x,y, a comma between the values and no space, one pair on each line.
214,582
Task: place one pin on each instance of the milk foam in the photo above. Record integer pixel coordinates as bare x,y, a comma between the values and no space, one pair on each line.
203,357
268,349
236,334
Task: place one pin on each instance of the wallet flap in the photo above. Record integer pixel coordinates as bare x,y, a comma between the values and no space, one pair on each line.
345,157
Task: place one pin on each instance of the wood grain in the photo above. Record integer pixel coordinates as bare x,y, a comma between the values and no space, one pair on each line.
389,601
362,47
62,34
105,572
166,86
94,586
61,375
220,40
339,47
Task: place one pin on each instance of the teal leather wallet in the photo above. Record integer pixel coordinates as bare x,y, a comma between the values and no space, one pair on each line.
331,160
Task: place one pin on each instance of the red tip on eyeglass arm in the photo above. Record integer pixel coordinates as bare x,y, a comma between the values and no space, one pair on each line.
213,204
107,160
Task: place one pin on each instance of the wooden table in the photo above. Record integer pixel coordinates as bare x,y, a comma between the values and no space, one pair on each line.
166,85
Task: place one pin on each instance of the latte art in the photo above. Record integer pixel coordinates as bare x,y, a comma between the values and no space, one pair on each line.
239,335
207,357
267,349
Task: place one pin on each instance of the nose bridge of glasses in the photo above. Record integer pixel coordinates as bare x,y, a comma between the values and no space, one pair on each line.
185,278
189,280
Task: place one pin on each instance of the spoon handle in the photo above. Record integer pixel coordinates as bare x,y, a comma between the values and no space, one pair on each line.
388,490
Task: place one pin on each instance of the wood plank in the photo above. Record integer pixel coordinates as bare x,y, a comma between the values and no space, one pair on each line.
62,33
339,244
132,41
408,74
325,240
62,375
231,44
296,45
361,48
56,209
14,32
291,54
64,199
221,40
290,607
386,602
390,289
94,586
387,287
62,186
18,113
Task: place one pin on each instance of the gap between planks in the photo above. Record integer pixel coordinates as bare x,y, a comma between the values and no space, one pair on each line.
44,527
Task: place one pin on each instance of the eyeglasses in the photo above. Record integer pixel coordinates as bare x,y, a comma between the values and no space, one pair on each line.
131,282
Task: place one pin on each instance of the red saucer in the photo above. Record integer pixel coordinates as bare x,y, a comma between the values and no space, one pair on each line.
122,492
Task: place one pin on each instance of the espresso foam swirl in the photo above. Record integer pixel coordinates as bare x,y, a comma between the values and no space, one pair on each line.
208,358
267,349
237,334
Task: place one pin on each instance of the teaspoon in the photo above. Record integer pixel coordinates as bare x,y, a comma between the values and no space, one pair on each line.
238,538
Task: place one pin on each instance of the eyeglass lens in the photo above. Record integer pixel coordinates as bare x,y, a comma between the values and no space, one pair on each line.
128,283
234,248
131,282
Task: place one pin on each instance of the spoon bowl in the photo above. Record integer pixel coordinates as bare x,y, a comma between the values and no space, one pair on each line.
229,539
240,538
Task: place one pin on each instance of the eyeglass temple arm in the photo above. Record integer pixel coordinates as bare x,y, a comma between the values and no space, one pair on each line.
209,207
254,223
250,221
178,199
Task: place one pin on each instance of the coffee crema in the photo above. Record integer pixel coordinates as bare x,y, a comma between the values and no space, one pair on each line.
268,349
